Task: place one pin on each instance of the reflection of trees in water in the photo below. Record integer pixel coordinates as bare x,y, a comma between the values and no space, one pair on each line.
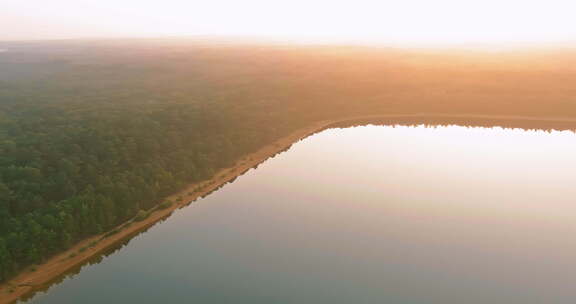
445,121
96,259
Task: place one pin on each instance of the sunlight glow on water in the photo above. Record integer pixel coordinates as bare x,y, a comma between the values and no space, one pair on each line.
373,214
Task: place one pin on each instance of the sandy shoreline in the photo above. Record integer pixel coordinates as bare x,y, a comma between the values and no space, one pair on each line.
29,281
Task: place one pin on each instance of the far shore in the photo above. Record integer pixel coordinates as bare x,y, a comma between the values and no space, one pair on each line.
35,278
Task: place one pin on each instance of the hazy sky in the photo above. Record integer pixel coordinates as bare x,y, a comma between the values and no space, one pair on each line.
403,21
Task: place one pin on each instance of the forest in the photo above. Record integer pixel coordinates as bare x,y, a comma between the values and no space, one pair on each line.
92,132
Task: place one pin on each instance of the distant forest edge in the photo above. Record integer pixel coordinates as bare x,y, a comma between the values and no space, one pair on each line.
93,132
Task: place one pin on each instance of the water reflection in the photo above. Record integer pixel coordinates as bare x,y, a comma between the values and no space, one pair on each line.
440,120
373,214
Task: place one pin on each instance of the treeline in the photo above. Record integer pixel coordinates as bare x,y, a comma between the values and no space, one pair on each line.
93,132
89,137
68,174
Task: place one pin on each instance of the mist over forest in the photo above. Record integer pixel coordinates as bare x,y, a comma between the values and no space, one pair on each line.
93,132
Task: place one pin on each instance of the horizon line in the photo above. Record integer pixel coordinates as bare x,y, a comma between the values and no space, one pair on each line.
335,41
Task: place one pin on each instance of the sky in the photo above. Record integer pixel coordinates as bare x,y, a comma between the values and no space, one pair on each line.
402,21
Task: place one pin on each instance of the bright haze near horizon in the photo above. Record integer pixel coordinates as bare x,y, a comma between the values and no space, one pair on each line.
407,22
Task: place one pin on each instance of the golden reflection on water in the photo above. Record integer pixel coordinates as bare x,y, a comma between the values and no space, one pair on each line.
479,176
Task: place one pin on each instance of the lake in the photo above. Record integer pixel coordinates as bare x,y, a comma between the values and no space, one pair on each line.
368,214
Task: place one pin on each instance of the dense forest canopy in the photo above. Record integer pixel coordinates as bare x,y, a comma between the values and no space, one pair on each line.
91,132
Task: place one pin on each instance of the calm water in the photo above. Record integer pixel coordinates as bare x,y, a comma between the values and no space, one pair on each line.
374,214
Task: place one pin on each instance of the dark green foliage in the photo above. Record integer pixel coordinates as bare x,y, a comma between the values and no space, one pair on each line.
69,175
84,150
93,132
